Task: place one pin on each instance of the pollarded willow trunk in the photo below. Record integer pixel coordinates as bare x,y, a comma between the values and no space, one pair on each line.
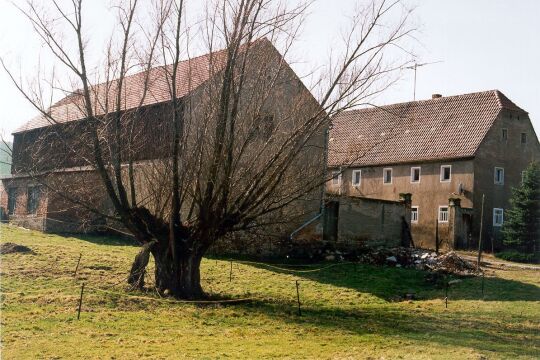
180,276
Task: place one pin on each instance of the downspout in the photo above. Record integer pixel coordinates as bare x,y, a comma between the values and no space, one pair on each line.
323,186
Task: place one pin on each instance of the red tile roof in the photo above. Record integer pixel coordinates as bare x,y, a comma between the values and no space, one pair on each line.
191,74
440,128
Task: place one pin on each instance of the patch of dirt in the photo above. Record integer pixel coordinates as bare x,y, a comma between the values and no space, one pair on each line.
99,267
12,248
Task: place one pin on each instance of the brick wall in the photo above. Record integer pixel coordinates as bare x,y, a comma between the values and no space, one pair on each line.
21,215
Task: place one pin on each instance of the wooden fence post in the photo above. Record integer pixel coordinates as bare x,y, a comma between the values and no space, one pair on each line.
483,285
437,235
480,235
77,267
446,297
298,298
80,302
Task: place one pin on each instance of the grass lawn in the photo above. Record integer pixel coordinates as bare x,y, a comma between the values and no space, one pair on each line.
348,312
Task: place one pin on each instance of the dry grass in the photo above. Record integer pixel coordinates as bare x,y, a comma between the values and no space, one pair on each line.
346,312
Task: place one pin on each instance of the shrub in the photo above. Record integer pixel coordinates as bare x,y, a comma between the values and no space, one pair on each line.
521,229
513,255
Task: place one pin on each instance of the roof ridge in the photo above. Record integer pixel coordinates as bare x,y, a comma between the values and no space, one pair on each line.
154,68
443,128
497,93
505,102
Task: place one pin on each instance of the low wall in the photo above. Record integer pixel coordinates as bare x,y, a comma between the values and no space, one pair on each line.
28,222
365,222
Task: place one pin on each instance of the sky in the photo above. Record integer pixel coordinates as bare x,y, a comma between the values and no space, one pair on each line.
478,45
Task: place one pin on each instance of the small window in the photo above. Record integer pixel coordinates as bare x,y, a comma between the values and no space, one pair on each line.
523,177
262,129
499,176
504,134
443,213
414,214
498,217
446,172
336,178
32,200
12,200
356,177
415,174
523,138
387,176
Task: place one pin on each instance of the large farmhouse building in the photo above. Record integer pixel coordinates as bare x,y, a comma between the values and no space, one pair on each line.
452,153
53,162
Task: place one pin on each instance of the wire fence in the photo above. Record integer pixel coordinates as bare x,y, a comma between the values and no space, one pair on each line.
110,290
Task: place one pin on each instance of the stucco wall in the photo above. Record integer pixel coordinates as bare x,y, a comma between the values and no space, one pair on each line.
427,194
509,154
369,222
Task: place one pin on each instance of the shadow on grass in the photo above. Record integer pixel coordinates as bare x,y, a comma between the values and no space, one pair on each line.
449,329
102,239
389,282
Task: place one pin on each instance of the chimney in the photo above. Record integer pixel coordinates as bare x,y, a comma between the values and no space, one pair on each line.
436,96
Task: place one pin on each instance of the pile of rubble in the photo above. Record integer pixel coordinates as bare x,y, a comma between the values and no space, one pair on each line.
448,263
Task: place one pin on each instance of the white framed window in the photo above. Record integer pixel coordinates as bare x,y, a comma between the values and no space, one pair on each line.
498,216
415,174
443,213
498,176
504,134
336,178
356,177
387,175
446,172
414,214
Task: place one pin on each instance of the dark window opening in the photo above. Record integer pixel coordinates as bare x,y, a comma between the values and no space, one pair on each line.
415,174
34,194
446,172
523,138
387,176
12,200
504,134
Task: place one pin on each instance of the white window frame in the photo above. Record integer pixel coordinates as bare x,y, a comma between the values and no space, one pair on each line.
336,178
496,213
419,174
439,215
417,212
354,172
384,176
497,181
442,173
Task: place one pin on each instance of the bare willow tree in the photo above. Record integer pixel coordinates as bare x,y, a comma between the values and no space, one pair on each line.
189,150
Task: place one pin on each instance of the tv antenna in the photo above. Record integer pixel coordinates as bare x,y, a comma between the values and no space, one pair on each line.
416,66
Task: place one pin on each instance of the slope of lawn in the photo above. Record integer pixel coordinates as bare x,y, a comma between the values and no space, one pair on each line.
348,311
